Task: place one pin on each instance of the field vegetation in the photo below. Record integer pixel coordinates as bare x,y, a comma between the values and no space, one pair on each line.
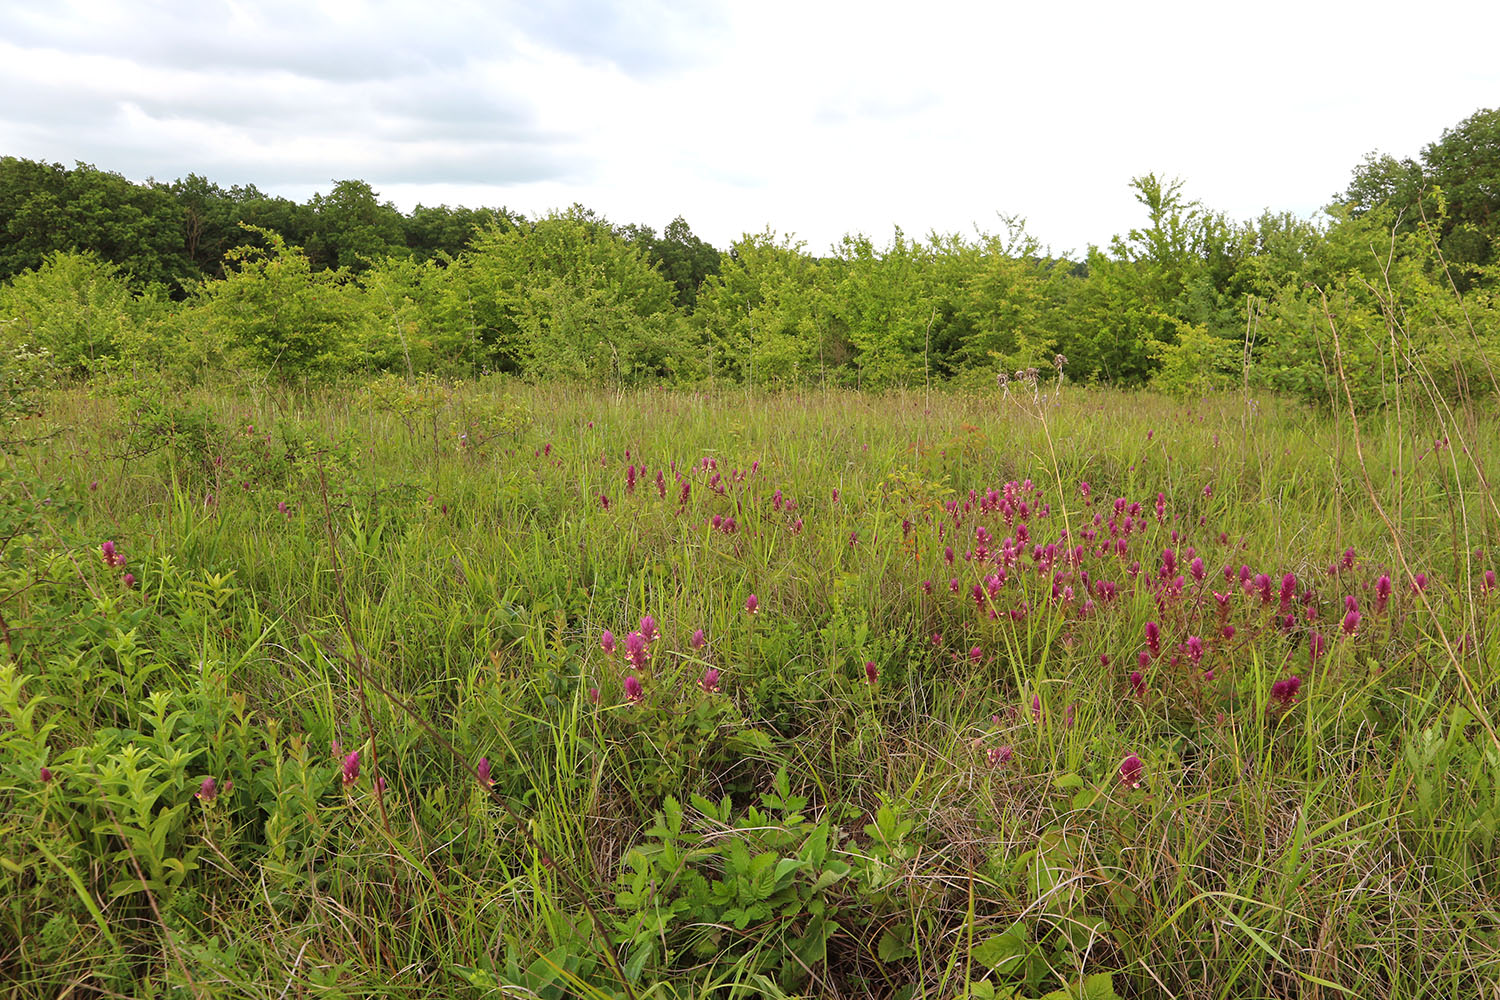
491,689
542,608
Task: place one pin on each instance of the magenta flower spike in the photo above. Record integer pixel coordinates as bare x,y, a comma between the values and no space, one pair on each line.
752,604
1132,771
1351,622
633,689
1285,690
1195,648
107,550
351,767
999,755
128,580
594,695
607,643
871,673
1137,684
1153,638
1315,646
1419,582
710,681
636,651
483,771
648,629
699,640
1382,592
1489,581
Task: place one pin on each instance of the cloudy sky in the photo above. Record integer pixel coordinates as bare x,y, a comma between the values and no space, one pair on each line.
813,118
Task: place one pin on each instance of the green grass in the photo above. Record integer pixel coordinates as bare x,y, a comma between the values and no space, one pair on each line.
430,600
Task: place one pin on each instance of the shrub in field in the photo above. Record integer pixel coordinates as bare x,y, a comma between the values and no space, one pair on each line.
78,308
273,311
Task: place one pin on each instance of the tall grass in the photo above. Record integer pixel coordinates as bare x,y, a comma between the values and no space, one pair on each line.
425,578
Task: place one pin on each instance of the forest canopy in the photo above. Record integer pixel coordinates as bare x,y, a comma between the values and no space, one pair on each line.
195,279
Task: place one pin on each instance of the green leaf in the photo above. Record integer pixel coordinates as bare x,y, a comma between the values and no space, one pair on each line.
475,977
1002,952
1095,987
895,943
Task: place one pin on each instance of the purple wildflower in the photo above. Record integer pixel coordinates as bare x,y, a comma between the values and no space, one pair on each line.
633,689
710,680
351,767
1132,771
1315,646
636,651
483,771
1351,622
209,790
1283,691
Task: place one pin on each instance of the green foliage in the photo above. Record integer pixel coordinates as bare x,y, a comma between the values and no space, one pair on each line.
24,374
566,297
681,257
280,315
765,889
76,307
764,317
45,208
419,571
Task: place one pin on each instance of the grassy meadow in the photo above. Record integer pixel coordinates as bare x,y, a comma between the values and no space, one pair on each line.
1079,693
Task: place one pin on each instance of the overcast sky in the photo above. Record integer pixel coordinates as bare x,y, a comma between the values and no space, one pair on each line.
812,118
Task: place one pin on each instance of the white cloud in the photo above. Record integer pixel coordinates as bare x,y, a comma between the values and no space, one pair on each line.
818,118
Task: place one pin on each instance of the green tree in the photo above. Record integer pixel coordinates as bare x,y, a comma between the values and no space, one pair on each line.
1454,189
354,228
274,312
566,296
46,208
439,232
77,307
764,317
888,306
683,258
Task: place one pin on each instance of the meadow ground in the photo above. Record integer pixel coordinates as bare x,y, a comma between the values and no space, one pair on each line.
503,690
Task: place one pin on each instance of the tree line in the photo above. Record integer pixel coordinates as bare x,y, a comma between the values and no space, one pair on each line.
195,279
